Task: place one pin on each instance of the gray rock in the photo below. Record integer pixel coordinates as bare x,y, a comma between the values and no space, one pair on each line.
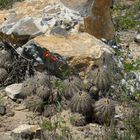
2,110
137,38
58,30
26,131
132,89
13,91
131,75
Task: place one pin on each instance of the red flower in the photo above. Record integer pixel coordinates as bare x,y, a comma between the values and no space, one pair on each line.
46,54
53,58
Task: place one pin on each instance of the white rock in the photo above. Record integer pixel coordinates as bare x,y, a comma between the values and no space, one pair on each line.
25,131
137,38
13,91
25,128
123,82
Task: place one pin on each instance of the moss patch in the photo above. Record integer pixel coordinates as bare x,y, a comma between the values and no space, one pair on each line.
127,17
5,4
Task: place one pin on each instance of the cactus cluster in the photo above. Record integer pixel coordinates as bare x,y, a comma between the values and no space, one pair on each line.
81,101
38,88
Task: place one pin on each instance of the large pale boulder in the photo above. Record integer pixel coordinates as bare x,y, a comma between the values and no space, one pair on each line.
80,49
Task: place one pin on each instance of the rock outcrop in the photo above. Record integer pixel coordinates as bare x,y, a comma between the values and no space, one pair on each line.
38,17
99,22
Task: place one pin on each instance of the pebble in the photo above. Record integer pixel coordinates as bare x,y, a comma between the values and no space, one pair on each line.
132,90
130,56
123,81
137,38
131,75
2,110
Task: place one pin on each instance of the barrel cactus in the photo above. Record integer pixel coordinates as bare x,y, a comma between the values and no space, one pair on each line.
71,86
104,111
81,103
41,79
44,79
3,75
43,92
78,119
28,87
5,59
102,79
34,103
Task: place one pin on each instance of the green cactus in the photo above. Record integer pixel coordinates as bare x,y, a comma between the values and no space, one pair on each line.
5,59
28,87
3,75
34,103
102,79
104,111
41,79
43,92
81,103
71,86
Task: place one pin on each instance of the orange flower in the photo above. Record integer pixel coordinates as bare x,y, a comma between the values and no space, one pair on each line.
46,54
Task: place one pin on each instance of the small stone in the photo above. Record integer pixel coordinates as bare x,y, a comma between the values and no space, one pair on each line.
130,56
132,89
137,38
123,82
131,75
2,110
13,91
25,131
58,31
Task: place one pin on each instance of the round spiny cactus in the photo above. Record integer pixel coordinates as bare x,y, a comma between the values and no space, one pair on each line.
5,59
3,75
55,96
44,79
81,103
34,103
43,92
104,110
102,79
78,119
41,79
71,86
28,87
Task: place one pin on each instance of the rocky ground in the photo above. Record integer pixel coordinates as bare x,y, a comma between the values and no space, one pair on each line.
59,82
